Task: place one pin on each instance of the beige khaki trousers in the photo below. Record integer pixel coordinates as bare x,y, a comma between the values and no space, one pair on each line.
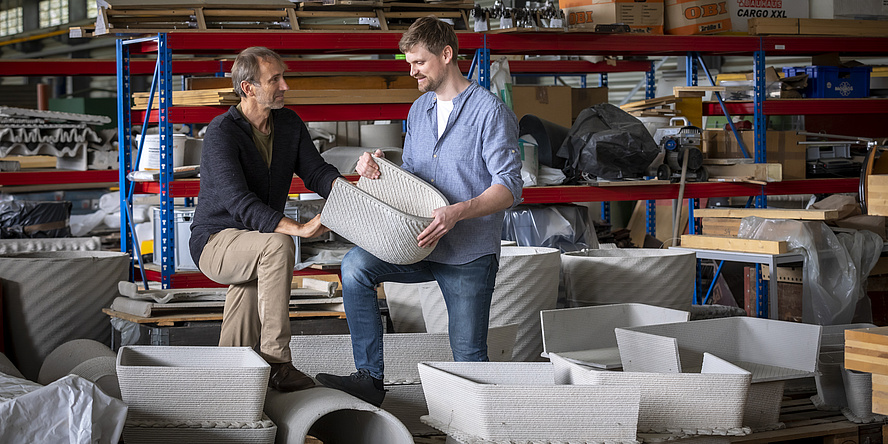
258,269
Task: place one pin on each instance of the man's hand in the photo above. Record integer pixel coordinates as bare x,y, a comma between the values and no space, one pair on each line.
367,167
309,229
445,219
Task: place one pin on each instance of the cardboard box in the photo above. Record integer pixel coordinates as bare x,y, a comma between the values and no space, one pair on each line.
557,104
642,16
782,147
692,17
743,10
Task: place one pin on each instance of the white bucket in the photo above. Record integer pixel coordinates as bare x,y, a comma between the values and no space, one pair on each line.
150,159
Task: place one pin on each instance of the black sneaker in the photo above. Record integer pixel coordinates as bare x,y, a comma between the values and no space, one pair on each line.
359,384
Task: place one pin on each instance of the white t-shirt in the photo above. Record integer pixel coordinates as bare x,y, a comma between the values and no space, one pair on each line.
444,110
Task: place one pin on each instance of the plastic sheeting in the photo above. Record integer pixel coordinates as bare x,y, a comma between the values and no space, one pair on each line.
70,410
564,227
608,143
836,266
25,219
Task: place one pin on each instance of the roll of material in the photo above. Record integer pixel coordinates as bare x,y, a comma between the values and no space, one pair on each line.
86,358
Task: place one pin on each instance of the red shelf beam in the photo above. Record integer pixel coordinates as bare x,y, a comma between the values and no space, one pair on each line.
808,45
585,193
308,113
785,107
618,44
315,42
57,177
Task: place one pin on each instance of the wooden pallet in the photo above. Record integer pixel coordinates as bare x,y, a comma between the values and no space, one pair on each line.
331,15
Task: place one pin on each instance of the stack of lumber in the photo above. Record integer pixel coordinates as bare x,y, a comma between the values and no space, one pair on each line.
720,225
656,107
227,96
148,16
866,350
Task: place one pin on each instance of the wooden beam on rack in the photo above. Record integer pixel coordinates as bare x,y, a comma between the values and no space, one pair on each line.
733,244
768,213
764,172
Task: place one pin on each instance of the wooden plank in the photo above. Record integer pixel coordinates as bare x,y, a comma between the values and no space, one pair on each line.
718,226
874,335
169,320
773,26
767,172
733,244
768,213
695,91
291,97
38,161
819,430
165,4
841,27
649,103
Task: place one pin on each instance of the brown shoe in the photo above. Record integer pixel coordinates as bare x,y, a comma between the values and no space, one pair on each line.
285,378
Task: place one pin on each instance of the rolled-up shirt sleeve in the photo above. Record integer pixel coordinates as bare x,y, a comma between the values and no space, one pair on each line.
501,153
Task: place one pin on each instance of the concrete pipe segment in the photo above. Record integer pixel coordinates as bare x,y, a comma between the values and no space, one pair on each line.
86,358
332,416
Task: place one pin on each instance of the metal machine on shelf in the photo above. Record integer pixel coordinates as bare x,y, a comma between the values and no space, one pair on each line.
681,148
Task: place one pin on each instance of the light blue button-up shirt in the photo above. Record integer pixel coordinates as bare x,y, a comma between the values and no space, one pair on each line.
479,148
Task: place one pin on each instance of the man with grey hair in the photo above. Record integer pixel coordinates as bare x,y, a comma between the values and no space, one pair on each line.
239,234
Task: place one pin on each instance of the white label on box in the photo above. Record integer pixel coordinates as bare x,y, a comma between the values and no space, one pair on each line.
506,23
557,23
480,25
743,10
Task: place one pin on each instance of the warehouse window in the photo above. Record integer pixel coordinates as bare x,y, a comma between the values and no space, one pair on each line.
11,21
53,13
92,9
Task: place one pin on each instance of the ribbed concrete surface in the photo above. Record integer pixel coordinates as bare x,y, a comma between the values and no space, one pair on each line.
185,383
332,416
53,297
518,401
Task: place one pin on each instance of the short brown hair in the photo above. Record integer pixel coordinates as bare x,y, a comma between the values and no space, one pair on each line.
432,33
246,66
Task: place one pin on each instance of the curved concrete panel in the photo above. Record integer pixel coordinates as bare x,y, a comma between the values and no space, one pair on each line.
332,416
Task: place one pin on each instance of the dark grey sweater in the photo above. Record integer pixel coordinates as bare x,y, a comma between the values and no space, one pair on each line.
238,190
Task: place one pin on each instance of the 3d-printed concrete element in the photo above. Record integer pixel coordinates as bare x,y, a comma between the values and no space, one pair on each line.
393,210
165,384
517,298
658,277
86,358
200,432
314,354
332,416
773,351
585,335
830,367
519,401
707,403
45,313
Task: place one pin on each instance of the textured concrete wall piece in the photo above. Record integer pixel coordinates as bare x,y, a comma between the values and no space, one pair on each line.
772,351
315,354
518,401
200,432
332,416
53,297
586,334
706,403
8,246
397,207
518,297
185,383
652,276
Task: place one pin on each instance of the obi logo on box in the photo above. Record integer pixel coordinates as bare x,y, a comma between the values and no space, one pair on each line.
708,10
579,17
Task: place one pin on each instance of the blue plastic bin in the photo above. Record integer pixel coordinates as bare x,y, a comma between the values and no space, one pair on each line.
834,82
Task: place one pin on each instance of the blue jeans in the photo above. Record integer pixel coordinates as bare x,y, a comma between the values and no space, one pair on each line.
467,290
